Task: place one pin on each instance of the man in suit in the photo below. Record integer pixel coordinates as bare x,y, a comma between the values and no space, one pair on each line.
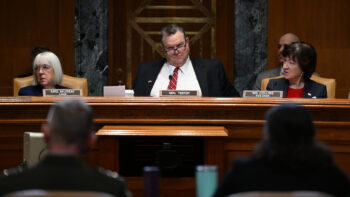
180,72
286,39
68,132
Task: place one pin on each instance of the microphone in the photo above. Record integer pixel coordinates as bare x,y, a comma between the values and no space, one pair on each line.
170,77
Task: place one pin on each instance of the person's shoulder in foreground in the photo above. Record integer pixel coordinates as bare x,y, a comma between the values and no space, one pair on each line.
288,158
247,175
68,132
64,172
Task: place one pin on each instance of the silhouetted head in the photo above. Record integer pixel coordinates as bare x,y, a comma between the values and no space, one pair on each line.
70,122
289,124
289,140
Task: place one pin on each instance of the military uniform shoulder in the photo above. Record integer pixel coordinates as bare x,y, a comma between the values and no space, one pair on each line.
13,171
119,182
109,173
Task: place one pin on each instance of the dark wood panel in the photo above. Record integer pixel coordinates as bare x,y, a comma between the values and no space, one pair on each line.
322,23
27,24
224,35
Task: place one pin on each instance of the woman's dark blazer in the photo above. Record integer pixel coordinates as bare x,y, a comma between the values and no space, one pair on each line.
312,89
36,90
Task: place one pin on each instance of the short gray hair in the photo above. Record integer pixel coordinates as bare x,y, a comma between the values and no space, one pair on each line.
171,29
71,122
55,63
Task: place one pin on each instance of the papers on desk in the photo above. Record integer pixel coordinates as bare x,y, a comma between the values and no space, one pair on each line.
117,91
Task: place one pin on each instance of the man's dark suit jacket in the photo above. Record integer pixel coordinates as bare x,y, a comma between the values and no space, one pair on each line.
266,74
210,75
64,172
36,90
312,89
256,175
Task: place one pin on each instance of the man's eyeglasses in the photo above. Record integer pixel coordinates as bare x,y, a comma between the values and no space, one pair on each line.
45,68
179,48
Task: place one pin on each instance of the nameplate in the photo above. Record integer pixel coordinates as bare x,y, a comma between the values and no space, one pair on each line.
62,92
179,93
262,94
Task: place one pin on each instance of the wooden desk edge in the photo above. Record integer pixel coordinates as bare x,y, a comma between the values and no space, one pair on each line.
159,130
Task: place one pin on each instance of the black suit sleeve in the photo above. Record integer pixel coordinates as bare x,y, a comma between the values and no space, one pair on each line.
279,84
141,85
232,177
20,92
146,75
136,83
269,85
228,90
324,93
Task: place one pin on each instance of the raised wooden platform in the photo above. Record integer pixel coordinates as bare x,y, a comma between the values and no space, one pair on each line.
241,119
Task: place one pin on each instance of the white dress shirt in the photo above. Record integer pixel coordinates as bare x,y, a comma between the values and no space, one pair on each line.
186,78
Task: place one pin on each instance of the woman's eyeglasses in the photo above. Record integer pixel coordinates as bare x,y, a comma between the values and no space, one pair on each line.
45,68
